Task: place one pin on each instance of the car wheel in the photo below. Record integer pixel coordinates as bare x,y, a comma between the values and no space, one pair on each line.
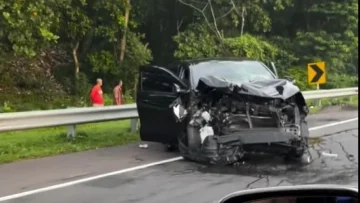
302,156
304,130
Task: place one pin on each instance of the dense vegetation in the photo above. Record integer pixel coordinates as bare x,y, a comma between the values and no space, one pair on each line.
51,51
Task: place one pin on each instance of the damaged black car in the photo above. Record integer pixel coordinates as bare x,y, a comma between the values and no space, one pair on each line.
220,110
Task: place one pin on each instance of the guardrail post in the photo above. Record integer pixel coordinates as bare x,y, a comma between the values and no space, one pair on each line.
319,102
71,132
134,123
71,129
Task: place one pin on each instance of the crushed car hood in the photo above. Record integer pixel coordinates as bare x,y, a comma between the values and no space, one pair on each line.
274,88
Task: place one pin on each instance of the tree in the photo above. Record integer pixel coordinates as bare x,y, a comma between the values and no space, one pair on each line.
75,25
46,42
330,34
123,39
27,26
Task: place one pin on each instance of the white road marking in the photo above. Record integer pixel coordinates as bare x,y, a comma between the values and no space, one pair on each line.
67,184
333,124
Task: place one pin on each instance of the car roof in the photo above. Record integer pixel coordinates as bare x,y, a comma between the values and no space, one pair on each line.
191,62
201,60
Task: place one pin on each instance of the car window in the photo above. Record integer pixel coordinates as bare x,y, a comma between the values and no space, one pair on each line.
156,82
234,71
184,75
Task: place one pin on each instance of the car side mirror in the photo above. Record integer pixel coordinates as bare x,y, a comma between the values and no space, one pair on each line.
290,79
295,194
179,90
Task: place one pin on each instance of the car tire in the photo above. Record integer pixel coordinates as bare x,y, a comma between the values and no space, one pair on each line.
303,156
305,133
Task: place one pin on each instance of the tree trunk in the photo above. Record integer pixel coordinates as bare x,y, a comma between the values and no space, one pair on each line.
76,60
242,21
123,40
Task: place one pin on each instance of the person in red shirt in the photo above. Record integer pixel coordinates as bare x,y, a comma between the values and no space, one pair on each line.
118,96
96,94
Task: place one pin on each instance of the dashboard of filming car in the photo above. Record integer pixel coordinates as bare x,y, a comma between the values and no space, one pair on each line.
312,199
296,194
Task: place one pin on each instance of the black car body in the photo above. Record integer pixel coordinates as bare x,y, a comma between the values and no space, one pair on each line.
219,110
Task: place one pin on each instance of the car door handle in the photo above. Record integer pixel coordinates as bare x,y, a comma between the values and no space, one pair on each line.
161,95
157,104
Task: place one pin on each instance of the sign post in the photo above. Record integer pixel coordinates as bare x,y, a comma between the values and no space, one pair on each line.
316,74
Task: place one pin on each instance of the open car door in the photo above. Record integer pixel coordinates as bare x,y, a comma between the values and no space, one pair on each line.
155,93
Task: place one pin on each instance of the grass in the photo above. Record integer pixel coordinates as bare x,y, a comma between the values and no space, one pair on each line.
346,101
38,143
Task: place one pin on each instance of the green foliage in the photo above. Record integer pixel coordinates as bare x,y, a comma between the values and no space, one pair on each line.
103,61
332,48
324,31
27,25
51,52
250,47
5,108
199,43
196,43
341,81
300,75
38,143
75,20
286,57
82,87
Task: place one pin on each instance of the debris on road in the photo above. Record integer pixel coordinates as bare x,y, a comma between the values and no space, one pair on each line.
329,154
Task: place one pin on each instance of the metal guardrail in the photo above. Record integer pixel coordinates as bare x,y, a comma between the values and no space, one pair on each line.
67,117
75,116
319,94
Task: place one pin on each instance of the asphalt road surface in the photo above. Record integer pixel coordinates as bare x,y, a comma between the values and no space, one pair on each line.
180,181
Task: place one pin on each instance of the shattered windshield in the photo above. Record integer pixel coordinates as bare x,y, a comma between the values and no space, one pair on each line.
232,71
